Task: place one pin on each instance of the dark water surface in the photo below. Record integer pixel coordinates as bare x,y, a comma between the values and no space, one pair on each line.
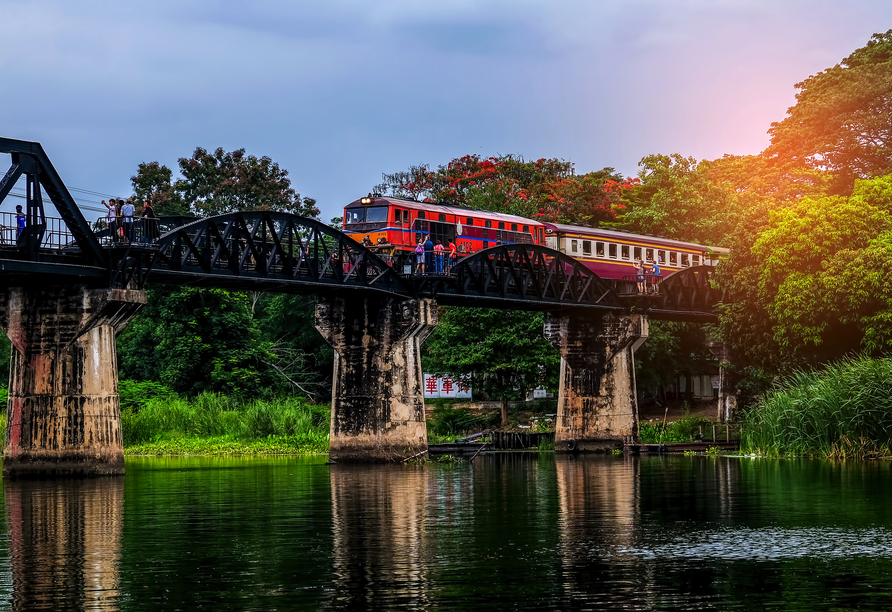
510,532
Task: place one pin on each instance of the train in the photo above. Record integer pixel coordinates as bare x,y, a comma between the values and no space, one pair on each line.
392,227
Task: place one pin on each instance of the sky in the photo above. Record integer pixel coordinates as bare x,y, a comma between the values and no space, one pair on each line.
341,91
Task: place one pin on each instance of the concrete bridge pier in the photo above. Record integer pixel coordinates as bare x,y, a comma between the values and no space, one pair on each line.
377,404
63,416
597,407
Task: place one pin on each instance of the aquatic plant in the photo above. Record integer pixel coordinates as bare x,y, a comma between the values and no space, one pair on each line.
842,411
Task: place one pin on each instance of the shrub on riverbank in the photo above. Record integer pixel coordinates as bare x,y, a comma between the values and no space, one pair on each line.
685,429
842,411
165,423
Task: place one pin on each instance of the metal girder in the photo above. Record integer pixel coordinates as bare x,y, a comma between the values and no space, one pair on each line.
687,293
30,158
531,276
263,248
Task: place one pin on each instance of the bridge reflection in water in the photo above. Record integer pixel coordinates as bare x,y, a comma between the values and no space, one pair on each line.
65,543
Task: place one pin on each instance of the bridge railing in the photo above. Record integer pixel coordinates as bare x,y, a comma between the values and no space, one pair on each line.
628,285
55,233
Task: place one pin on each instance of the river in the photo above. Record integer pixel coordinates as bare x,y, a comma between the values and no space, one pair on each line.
508,532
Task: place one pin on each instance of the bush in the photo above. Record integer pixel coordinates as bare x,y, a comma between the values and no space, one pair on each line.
683,430
448,421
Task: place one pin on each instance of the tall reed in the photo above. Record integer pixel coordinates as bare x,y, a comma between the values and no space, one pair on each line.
212,415
842,411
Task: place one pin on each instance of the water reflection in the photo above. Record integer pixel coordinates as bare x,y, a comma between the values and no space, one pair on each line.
380,545
64,540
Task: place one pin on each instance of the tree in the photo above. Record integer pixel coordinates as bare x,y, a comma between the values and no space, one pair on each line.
152,183
814,285
503,352
842,120
546,189
218,183
195,340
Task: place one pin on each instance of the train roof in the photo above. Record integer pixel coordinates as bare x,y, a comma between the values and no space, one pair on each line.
440,208
563,228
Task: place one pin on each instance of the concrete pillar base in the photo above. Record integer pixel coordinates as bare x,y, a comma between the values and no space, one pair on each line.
63,416
597,408
377,407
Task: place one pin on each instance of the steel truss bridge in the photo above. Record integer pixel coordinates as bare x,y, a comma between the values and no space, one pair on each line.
280,252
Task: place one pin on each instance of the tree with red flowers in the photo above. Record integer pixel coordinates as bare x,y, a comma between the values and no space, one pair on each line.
546,189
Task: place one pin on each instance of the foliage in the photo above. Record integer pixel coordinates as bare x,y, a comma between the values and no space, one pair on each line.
546,189
842,411
193,340
503,352
219,182
685,429
842,120
672,349
446,420
217,416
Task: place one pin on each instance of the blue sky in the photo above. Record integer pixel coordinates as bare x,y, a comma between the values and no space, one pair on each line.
341,91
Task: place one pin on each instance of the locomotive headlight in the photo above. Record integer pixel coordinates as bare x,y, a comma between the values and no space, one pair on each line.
366,200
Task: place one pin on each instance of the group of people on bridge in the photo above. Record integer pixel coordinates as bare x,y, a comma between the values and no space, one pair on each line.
433,258
647,283
123,221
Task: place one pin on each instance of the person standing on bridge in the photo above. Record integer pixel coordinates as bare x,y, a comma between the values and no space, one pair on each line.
428,255
127,211
20,221
639,276
149,223
419,257
655,271
452,254
111,218
439,251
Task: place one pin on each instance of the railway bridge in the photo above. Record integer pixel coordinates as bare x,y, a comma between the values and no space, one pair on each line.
67,288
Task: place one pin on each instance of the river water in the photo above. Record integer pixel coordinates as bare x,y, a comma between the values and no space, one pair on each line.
508,532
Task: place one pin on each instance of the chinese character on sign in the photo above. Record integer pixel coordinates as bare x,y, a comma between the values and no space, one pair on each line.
447,387
430,387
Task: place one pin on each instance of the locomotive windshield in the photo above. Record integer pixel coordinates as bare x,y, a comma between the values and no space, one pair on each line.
374,214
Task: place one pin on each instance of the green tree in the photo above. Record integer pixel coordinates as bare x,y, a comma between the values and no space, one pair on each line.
842,119
502,352
152,183
193,340
220,182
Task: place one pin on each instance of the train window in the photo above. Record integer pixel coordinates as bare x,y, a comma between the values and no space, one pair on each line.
354,215
442,217
514,227
526,228
421,214
573,245
470,221
673,258
397,215
405,217
661,256
611,250
599,249
637,253
695,260
684,260
586,247
501,225
488,223
649,254
625,251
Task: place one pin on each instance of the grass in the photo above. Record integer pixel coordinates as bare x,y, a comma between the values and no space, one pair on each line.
843,411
